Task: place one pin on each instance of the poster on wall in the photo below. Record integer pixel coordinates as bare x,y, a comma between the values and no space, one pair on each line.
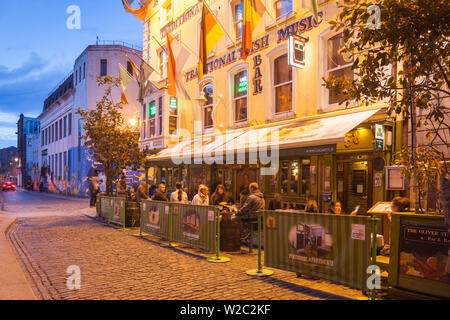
378,179
424,251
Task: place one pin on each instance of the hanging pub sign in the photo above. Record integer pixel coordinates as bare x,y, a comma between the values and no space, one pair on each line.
394,178
296,52
379,137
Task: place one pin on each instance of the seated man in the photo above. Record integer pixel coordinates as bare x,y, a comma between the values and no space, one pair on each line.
253,203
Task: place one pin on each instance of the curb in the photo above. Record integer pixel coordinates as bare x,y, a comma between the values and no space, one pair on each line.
10,225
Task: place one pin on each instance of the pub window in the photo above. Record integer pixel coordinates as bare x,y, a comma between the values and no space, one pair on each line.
173,114
338,66
103,67
144,120
152,121
144,127
163,60
294,177
283,8
166,15
240,93
284,177
160,116
208,92
306,180
273,183
282,85
238,13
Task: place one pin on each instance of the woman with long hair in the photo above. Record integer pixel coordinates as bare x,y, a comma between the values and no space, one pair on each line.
179,195
219,195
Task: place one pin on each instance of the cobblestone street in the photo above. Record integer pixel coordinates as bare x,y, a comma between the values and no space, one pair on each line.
116,265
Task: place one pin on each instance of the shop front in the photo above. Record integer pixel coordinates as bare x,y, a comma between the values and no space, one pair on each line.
318,157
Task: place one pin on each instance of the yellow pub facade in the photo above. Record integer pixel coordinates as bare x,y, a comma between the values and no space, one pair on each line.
247,115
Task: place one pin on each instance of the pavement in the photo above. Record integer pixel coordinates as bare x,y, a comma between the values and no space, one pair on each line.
14,285
115,265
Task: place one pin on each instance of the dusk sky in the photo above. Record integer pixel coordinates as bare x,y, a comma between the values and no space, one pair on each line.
37,50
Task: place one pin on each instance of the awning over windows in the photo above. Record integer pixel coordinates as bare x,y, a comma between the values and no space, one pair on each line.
293,134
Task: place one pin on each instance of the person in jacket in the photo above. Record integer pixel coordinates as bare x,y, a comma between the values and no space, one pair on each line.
243,197
219,196
93,186
142,192
247,213
122,189
179,195
253,203
311,205
201,198
160,193
276,203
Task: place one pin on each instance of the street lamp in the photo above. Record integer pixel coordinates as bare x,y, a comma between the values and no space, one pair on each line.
133,122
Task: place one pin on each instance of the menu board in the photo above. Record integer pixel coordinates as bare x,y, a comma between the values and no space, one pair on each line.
380,207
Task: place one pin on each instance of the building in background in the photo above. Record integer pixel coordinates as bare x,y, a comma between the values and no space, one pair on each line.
28,150
64,161
9,160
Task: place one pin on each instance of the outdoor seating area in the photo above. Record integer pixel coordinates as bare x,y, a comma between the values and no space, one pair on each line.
333,247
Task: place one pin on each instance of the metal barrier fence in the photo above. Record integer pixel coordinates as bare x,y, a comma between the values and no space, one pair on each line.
333,247
113,209
106,206
155,218
194,225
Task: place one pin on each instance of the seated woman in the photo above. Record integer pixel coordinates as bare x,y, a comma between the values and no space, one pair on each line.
399,204
276,202
219,196
336,208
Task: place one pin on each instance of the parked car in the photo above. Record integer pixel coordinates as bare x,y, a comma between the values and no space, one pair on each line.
8,185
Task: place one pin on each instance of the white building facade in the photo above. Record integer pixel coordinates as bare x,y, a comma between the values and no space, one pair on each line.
64,160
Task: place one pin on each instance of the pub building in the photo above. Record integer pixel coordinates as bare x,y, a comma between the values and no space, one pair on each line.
242,110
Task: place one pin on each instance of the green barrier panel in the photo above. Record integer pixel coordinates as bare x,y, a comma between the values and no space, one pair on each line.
419,255
155,218
194,225
117,214
333,247
106,206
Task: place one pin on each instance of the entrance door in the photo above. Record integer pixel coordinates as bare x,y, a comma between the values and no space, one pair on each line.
357,189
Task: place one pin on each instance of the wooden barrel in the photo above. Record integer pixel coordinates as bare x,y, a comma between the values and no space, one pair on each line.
132,214
230,236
